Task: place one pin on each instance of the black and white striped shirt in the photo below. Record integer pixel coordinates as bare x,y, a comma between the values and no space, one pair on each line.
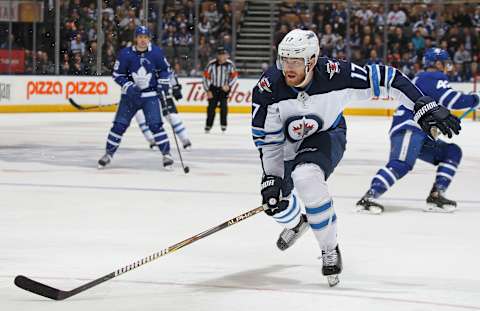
218,75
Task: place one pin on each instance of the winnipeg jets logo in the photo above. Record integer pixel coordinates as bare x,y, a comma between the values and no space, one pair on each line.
301,127
264,85
142,78
332,68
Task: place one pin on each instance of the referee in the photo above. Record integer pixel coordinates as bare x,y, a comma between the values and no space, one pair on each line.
218,78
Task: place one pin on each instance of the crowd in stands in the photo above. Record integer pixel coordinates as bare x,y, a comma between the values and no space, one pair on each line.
78,50
411,29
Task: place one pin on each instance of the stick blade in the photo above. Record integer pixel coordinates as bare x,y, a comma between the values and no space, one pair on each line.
40,289
74,104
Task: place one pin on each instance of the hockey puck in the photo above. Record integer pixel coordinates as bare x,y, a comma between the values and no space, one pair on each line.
186,169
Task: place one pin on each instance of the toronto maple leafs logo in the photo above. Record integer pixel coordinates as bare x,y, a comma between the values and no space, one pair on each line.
142,78
264,85
332,68
300,127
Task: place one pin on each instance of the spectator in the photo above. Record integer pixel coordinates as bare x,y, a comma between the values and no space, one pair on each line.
328,40
179,70
46,66
462,56
227,43
396,16
418,41
78,68
90,59
77,45
126,37
65,68
204,52
130,18
205,27
455,75
374,59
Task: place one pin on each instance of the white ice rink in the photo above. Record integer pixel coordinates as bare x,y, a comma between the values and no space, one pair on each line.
64,223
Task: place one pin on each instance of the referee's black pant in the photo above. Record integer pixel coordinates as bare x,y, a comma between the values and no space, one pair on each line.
219,98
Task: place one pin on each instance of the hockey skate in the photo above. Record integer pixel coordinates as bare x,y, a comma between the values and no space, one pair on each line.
104,161
332,265
167,161
437,203
289,236
187,145
367,204
152,144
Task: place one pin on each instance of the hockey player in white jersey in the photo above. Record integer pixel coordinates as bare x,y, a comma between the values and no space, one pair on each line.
299,129
170,112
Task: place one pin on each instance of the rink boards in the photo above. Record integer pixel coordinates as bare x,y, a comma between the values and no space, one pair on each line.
51,93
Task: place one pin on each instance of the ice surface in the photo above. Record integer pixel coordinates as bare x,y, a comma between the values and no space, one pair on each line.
63,222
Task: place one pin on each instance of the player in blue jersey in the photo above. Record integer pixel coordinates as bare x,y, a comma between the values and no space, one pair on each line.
143,72
409,143
300,132
170,112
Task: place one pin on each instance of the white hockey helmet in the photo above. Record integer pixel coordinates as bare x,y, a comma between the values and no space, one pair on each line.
299,43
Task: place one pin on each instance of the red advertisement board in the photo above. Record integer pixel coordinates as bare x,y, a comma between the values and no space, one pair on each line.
16,59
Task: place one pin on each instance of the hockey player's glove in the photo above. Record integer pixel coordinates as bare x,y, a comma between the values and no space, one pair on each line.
271,188
133,92
177,91
429,115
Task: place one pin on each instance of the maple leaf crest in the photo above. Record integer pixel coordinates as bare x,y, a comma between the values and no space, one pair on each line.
142,78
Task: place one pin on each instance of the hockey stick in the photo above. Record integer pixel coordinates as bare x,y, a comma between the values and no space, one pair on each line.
186,169
466,113
79,107
57,294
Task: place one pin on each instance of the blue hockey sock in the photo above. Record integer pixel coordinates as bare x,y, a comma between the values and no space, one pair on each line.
115,137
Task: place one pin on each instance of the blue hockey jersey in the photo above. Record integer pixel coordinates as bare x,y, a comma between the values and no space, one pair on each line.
434,84
146,69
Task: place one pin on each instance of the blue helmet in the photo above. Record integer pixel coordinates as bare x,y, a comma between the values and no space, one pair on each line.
142,30
434,54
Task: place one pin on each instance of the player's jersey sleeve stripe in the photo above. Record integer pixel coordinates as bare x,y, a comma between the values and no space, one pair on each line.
261,133
454,100
444,96
375,80
260,143
390,78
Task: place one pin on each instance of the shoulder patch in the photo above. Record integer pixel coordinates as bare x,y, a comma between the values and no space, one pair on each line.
264,85
333,67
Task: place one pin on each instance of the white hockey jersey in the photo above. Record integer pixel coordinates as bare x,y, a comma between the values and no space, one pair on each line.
282,116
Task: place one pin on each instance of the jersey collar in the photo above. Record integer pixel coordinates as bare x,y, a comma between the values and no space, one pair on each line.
149,48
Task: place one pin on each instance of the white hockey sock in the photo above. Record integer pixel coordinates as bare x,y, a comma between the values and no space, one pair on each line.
178,127
290,217
140,117
310,184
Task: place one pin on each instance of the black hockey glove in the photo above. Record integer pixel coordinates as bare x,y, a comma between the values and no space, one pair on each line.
177,91
429,115
271,188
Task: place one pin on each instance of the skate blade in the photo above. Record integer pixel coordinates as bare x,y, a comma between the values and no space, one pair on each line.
374,210
432,208
333,280
168,168
100,167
